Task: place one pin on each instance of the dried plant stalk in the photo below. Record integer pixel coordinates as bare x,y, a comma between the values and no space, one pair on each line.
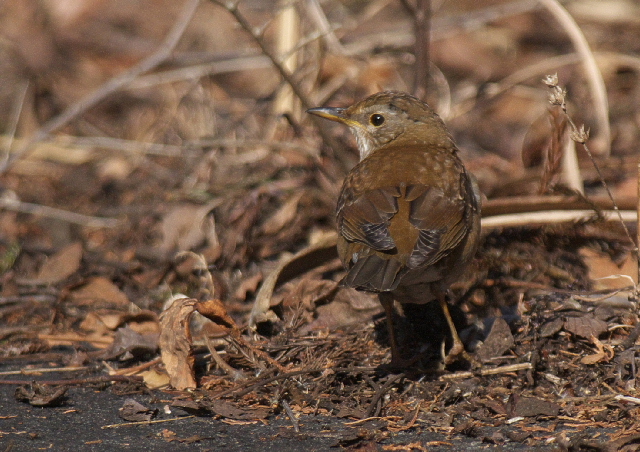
594,76
288,37
553,157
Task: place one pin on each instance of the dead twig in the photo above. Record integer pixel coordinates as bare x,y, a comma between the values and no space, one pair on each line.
15,205
46,370
290,415
422,31
79,381
157,421
374,409
485,372
265,381
232,7
221,363
521,204
14,120
317,15
555,217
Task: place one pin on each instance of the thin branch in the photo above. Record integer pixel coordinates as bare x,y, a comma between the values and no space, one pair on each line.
14,120
555,217
491,371
319,18
441,28
242,63
78,381
156,421
516,204
232,7
116,83
59,214
422,30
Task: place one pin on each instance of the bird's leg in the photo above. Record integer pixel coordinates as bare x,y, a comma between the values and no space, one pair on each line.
386,299
458,347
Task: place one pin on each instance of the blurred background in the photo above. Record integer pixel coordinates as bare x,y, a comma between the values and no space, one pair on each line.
204,146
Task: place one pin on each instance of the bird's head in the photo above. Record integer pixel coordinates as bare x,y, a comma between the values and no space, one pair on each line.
386,117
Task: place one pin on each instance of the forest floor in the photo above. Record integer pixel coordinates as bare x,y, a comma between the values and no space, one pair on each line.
168,271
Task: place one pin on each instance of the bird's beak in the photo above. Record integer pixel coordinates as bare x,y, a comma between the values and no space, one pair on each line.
332,114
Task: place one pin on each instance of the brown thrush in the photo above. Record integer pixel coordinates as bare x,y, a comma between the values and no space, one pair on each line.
408,215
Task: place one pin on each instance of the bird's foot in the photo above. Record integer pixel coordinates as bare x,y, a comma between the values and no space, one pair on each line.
458,351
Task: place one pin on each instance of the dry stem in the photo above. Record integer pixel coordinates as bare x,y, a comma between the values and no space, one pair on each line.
594,77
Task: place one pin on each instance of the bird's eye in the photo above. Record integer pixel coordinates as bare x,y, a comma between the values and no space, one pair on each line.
376,120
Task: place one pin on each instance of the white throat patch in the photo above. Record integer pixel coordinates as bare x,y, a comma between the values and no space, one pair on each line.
364,142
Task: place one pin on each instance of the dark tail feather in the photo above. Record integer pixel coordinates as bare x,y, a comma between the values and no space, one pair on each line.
374,274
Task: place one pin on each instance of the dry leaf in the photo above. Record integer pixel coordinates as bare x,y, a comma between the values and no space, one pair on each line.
185,227
99,289
37,394
602,268
497,342
288,268
62,264
248,285
154,379
127,341
215,311
283,216
134,411
175,343
530,406
604,353
348,307
585,326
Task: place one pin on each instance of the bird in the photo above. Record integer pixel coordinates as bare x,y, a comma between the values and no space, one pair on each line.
408,214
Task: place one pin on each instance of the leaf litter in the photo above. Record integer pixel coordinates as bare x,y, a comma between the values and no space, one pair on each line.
221,275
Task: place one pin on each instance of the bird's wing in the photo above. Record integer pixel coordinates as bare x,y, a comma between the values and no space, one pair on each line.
365,219
441,219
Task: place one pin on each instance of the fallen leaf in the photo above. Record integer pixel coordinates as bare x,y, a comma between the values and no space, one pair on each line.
221,408
41,395
154,379
602,270
226,409
61,265
134,411
289,267
585,326
99,289
348,307
184,227
604,353
552,327
175,343
497,342
530,406
128,341
215,311
283,216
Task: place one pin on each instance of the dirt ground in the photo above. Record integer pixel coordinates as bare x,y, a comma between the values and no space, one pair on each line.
168,271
